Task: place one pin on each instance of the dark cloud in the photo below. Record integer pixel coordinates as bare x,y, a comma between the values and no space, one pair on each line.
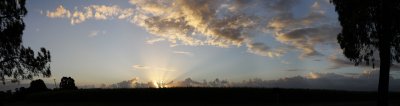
124,84
264,50
305,39
341,62
280,5
366,81
293,70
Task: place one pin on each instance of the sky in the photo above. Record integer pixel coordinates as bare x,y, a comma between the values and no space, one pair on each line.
109,41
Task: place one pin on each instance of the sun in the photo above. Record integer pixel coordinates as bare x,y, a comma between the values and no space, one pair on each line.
160,84
158,66
156,84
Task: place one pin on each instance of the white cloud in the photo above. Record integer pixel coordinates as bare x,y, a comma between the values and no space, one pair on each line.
183,53
60,12
93,33
97,12
151,68
154,40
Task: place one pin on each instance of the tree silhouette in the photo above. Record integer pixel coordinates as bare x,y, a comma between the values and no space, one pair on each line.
67,83
37,86
371,32
17,61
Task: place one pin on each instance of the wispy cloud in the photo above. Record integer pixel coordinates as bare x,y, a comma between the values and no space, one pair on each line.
93,33
184,53
264,50
293,70
96,33
285,62
151,68
154,40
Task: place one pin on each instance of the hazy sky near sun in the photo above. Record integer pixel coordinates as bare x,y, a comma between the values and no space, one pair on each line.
107,41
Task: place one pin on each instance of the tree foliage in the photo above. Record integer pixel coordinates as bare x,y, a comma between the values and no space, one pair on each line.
363,26
371,29
67,83
16,61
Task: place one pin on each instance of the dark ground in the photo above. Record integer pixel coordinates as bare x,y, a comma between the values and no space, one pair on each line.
197,96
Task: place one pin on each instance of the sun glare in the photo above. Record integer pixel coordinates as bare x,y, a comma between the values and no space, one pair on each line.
160,84
157,67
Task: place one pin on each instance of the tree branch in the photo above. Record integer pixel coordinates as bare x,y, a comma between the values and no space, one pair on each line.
7,59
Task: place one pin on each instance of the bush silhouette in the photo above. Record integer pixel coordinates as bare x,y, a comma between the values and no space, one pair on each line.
67,83
37,86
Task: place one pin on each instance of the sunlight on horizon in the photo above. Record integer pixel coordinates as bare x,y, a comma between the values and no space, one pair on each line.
156,66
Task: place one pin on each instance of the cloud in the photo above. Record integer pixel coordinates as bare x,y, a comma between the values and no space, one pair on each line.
183,53
305,39
154,40
338,62
123,84
97,12
364,81
151,68
263,50
96,33
304,33
285,62
60,12
41,12
341,62
230,23
293,70
93,33
192,23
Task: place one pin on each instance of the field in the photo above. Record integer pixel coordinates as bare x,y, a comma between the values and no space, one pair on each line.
197,96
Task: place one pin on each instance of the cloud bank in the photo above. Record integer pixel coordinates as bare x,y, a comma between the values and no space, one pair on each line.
365,81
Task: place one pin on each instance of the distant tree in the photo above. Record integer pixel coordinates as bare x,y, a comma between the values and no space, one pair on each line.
20,90
17,61
370,27
67,83
37,86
